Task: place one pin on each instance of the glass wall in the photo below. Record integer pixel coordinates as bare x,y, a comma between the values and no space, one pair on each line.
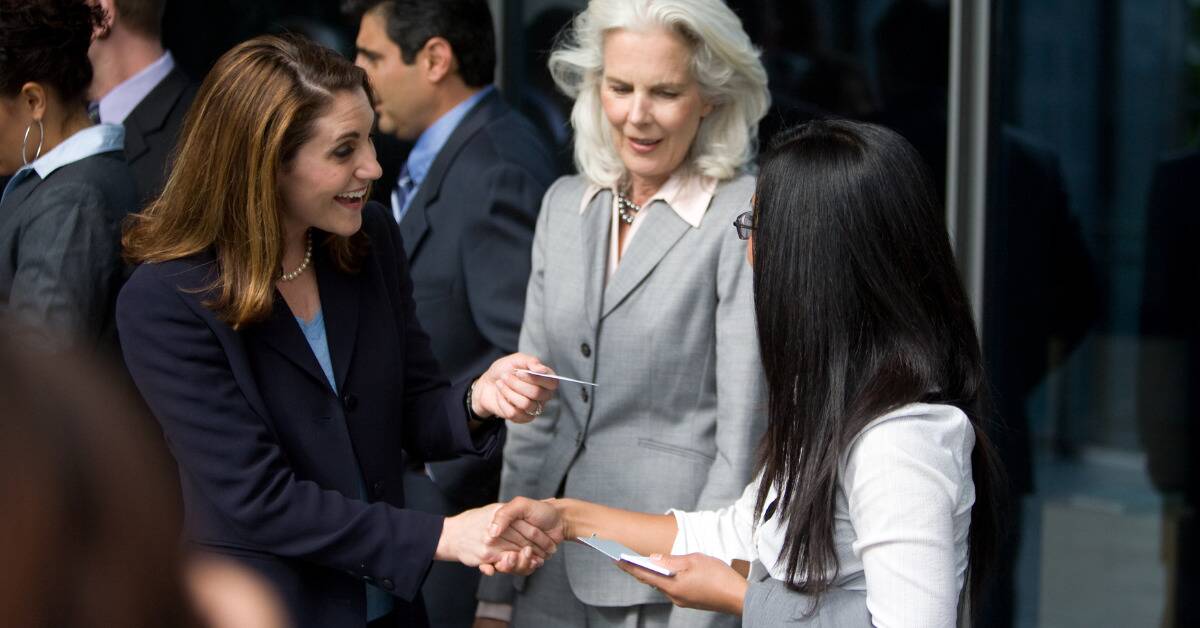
1089,323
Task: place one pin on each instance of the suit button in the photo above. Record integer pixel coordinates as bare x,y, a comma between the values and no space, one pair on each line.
387,584
584,394
377,489
349,402
585,350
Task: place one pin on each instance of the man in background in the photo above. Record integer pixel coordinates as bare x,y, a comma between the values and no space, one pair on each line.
135,83
466,200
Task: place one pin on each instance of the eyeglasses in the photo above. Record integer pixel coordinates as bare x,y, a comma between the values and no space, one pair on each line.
744,224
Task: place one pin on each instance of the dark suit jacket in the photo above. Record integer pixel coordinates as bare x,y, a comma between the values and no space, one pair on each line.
60,265
152,129
271,458
468,234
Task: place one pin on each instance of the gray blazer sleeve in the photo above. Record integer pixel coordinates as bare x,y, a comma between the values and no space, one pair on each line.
526,443
741,388
65,267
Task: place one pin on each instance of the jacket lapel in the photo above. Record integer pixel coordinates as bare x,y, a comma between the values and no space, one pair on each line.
595,225
151,114
416,221
282,333
340,297
654,238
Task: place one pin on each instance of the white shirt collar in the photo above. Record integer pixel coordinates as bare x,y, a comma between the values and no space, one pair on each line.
687,194
121,100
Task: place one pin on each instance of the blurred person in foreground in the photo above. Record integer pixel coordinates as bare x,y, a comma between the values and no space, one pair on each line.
876,494
638,285
87,539
466,201
60,213
271,330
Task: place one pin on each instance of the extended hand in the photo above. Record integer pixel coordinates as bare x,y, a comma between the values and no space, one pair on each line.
528,517
517,397
700,581
466,539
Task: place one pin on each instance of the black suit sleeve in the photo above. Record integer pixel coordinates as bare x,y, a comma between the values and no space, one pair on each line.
229,454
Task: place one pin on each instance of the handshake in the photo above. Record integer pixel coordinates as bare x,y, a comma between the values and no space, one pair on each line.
514,537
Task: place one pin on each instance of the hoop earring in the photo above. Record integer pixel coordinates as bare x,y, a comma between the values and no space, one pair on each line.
25,142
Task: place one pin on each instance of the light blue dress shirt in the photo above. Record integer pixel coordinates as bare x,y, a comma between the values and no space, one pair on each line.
121,100
101,138
379,602
428,145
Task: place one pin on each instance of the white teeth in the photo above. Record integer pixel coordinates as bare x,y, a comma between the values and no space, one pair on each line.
353,196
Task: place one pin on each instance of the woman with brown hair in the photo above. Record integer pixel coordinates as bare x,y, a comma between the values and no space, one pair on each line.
271,329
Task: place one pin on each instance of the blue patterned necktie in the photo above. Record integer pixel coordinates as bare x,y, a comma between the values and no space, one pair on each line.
402,194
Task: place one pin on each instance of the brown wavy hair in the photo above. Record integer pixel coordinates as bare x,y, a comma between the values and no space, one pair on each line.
254,110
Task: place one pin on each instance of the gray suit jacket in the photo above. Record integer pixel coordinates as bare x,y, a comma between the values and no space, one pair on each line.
60,265
671,341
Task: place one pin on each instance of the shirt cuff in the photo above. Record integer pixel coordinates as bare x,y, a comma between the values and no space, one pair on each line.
680,546
494,610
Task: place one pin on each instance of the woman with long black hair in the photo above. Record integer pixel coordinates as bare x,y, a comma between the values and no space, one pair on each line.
876,488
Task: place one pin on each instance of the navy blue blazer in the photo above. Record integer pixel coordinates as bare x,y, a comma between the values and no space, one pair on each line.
272,461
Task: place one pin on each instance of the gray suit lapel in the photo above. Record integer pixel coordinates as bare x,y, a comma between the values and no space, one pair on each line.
659,232
595,225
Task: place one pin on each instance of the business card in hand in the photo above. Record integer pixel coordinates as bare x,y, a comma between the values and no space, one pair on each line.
616,551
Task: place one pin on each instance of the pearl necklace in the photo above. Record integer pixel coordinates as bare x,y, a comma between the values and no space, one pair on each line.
627,209
303,265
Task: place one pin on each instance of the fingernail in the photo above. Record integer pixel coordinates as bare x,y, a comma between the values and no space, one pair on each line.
656,556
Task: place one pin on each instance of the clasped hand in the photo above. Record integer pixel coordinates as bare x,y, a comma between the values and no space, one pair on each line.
511,538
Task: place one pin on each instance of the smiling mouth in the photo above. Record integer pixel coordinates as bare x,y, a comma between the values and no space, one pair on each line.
643,145
352,198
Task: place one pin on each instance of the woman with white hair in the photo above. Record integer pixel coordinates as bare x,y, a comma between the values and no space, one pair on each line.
639,286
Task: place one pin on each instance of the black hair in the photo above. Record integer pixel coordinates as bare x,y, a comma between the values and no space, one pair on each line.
860,311
46,41
466,24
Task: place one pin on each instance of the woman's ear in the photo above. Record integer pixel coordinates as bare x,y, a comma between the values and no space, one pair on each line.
750,250
32,98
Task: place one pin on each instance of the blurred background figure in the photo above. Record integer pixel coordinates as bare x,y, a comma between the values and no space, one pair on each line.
1169,370
61,211
466,199
137,84
638,285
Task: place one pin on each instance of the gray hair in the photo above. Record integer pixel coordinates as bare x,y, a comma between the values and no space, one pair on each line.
724,63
